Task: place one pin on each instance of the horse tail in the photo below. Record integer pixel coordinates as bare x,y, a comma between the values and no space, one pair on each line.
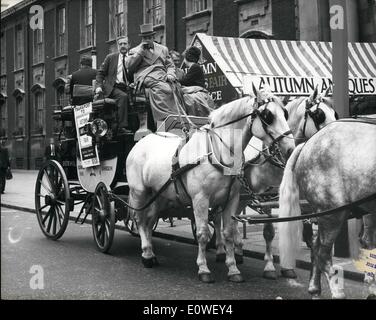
289,232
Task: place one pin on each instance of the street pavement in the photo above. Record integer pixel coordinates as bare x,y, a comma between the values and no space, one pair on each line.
33,267
19,194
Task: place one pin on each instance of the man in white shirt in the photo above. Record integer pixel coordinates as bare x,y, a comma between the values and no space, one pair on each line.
113,79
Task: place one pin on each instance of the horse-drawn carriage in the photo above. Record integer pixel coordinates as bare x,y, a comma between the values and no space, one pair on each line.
141,182
87,170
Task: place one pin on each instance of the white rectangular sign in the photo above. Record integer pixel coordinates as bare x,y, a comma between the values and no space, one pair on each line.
88,151
296,86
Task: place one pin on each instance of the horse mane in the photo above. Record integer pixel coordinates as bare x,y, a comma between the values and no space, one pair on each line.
232,110
240,107
292,106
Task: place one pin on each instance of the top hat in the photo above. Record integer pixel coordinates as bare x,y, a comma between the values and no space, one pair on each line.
147,30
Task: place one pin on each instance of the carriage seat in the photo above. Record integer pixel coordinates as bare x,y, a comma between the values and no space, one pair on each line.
64,113
100,104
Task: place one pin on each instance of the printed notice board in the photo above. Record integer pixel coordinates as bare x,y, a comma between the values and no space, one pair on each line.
88,151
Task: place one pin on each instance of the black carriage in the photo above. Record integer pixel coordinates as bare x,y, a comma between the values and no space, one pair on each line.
65,184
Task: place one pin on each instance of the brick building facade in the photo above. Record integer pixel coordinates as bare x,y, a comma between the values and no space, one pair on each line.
36,63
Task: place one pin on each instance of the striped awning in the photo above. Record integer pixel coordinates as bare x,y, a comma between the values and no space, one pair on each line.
239,58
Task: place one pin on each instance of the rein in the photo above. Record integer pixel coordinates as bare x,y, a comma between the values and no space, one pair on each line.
255,220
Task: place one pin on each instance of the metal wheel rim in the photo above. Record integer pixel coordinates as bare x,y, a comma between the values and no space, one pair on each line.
103,219
52,200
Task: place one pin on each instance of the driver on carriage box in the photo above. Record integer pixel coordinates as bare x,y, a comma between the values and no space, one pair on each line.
84,76
154,70
113,80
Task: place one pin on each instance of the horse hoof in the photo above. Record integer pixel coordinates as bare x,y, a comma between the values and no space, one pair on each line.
149,262
220,257
371,297
206,277
235,278
288,273
238,258
155,261
268,274
316,296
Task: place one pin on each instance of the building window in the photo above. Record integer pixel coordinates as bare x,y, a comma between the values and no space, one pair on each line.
194,6
19,48
87,33
3,117
62,98
3,54
117,18
61,32
38,112
153,12
38,47
20,116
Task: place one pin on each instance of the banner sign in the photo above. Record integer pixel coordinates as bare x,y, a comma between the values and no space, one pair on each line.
296,86
88,151
216,81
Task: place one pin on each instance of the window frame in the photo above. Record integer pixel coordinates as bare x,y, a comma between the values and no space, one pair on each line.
190,4
4,117
3,54
87,23
20,116
38,46
114,15
61,37
149,12
19,45
39,106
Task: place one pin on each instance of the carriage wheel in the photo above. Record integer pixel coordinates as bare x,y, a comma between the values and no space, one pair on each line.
103,218
52,200
212,241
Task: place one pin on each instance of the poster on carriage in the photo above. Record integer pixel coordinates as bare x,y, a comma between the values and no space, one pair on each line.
88,151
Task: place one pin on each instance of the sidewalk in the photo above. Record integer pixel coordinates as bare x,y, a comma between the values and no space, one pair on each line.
19,194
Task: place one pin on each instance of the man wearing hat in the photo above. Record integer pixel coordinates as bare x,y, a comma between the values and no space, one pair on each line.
84,76
154,70
113,80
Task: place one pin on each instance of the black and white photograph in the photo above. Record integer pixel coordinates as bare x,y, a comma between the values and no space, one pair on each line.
188,156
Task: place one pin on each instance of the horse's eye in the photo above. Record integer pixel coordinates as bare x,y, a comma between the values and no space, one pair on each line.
267,116
286,114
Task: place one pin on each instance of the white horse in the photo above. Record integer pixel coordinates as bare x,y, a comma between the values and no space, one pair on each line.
306,115
208,184
335,168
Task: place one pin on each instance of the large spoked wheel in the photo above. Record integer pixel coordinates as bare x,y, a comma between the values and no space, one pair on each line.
211,244
103,218
52,200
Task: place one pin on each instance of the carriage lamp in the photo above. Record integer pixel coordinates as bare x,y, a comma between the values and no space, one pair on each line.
98,127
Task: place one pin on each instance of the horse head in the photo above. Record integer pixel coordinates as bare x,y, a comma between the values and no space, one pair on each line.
269,122
309,115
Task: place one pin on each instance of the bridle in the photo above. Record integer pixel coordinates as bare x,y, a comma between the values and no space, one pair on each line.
318,116
266,117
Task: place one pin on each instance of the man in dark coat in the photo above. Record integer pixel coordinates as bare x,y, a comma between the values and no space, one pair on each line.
84,77
4,165
113,80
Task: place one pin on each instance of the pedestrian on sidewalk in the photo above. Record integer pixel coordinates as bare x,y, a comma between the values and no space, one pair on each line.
4,165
